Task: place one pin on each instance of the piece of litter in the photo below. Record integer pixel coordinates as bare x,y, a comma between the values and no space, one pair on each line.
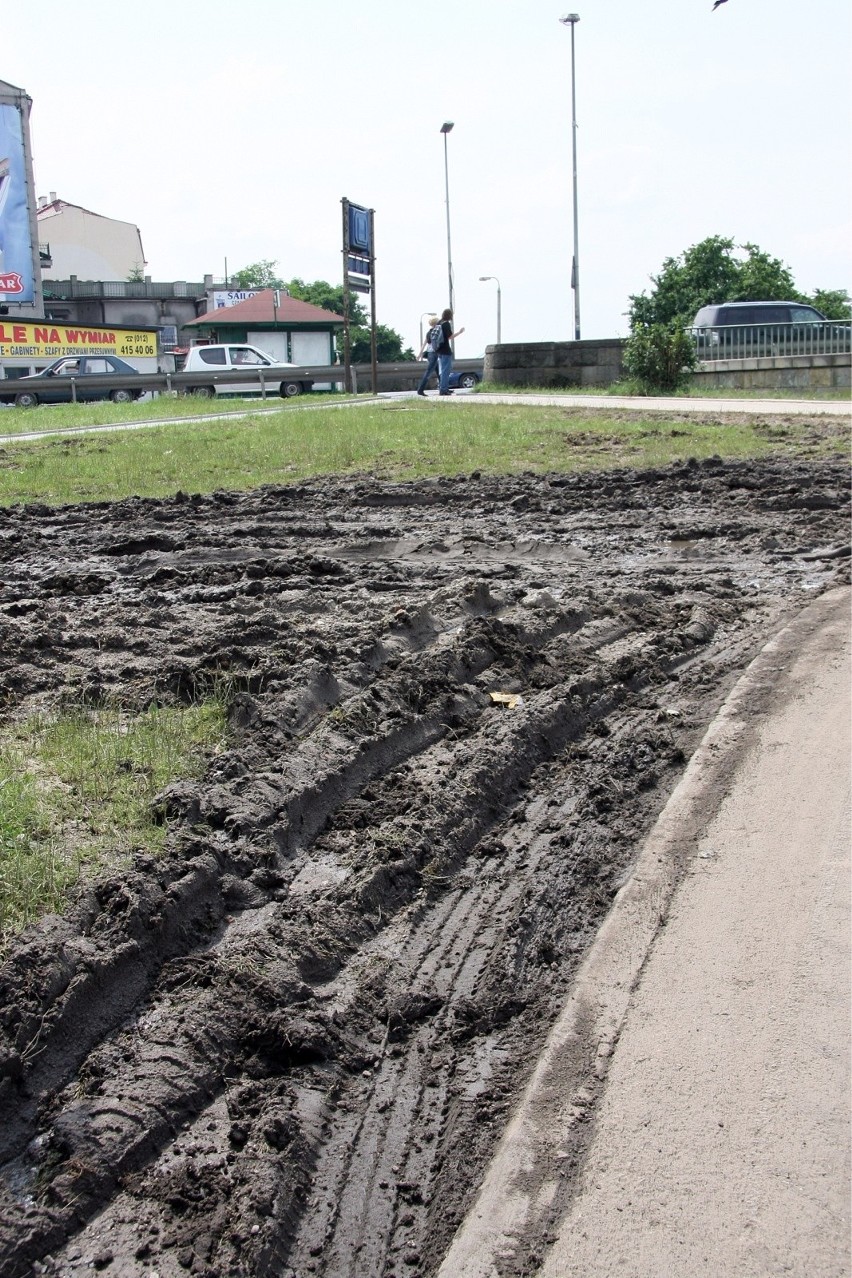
508,699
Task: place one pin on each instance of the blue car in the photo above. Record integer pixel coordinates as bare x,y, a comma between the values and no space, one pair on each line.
466,379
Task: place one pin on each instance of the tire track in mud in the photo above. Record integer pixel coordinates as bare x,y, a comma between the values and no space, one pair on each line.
288,1046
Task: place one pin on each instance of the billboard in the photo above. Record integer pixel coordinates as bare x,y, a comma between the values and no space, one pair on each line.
49,341
20,281
232,297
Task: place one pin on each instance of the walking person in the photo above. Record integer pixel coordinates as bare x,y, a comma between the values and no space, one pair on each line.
445,352
432,347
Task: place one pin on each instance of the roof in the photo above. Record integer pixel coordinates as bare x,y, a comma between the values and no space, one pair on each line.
56,206
261,309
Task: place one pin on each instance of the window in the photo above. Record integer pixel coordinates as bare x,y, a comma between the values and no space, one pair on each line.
804,315
213,355
98,366
243,355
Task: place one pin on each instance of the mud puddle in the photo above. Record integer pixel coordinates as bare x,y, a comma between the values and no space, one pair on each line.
288,1046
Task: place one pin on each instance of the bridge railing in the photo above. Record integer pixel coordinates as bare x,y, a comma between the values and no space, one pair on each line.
760,341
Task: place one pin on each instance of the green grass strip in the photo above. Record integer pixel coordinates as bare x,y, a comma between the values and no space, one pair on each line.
393,439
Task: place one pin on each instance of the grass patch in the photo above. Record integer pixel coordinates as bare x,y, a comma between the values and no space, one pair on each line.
394,439
76,791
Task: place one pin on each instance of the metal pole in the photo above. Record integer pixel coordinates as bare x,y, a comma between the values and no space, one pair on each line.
347,351
373,354
482,280
571,20
445,129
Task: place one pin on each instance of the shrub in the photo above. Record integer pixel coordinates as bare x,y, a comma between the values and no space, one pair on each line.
659,357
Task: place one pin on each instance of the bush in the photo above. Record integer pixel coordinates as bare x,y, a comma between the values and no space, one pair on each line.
659,357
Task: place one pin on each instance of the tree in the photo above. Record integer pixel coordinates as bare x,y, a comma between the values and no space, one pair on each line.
834,303
258,275
388,346
713,271
330,297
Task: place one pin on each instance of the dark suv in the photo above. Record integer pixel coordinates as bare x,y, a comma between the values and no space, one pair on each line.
731,330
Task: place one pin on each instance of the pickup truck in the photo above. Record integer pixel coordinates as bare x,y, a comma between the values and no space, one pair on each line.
213,363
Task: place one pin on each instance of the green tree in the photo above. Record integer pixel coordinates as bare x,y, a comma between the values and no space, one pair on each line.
258,275
834,303
329,297
718,270
389,347
705,273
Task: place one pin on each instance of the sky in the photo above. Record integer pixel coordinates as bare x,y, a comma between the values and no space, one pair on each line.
230,132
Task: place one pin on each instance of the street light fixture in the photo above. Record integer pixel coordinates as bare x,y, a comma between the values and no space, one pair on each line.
446,128
571,20
430,313
482,280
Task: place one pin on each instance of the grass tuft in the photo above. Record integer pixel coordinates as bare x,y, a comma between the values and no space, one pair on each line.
77,790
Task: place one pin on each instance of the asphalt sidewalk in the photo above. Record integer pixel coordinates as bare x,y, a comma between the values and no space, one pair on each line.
691,1112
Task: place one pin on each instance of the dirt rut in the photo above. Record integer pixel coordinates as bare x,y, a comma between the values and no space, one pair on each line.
288,1046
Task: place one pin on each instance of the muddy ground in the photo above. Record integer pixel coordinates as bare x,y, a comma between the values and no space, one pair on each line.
289,1046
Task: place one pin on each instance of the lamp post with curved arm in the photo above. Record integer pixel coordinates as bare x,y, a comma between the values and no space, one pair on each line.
482,280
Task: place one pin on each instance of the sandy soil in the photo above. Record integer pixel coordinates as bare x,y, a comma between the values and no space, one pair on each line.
289,1046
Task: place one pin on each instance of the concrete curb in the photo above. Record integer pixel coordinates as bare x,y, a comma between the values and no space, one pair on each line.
526,1187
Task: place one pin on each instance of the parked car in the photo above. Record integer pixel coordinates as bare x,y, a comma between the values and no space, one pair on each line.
732,329
211,362
41,387
464,378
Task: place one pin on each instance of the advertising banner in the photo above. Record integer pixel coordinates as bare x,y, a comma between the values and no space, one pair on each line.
16,247
232,297
52,341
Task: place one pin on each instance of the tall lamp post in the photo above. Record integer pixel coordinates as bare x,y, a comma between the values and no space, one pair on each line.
571,20
446,128
425,313
482,280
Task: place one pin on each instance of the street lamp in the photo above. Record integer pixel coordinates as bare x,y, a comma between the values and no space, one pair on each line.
571,20
446,128
482,280
430,313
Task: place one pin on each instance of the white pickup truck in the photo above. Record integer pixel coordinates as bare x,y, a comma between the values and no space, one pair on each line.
213,363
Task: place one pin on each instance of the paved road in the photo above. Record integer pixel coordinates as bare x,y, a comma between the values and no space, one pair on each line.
698,1081
670,404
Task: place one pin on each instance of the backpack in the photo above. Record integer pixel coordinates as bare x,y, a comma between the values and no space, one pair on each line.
436,338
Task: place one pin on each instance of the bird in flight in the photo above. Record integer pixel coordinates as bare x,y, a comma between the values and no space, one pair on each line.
718,2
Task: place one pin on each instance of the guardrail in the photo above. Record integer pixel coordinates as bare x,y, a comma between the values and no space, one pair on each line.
403,375
762,341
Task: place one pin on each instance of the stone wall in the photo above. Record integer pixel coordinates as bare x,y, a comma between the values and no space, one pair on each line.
599,363
593,363
812,373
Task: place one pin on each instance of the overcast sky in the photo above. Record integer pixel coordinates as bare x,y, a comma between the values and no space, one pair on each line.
232,130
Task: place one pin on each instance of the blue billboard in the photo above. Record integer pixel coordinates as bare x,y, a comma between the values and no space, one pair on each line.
359,231
17,282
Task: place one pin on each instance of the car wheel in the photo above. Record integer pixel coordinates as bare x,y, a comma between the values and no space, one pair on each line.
288,389
203,392
26,399
121,396
468,380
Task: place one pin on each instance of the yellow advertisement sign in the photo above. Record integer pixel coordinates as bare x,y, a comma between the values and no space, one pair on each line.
52,341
